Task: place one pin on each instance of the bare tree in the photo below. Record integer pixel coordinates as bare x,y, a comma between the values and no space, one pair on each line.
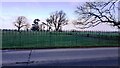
49,24
20,22
27,26
35,26
93,13
57,20
42,26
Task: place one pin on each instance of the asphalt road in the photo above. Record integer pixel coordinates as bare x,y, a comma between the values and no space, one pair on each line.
61,57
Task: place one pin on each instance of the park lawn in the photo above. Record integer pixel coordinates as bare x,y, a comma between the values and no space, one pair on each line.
30,39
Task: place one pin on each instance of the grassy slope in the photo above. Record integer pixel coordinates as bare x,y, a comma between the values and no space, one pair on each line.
54,39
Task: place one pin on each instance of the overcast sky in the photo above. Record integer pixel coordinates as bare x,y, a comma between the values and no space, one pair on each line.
42,10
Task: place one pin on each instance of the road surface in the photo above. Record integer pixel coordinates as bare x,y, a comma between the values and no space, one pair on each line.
61,57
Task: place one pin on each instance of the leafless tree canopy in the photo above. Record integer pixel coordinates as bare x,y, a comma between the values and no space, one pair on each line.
93,13
57,20
20,22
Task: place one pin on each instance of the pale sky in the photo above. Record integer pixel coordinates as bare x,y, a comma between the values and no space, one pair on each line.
41,10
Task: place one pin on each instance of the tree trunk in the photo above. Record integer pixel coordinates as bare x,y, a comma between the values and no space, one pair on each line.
57,29
18,29
27,29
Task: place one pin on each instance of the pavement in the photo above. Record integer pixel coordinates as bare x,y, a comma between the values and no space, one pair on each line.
71,56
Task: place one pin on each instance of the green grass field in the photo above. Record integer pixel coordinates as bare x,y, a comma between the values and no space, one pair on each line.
30,39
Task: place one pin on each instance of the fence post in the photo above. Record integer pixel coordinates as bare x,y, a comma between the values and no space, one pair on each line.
50,37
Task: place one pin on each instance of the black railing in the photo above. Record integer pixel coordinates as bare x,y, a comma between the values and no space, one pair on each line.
54,39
